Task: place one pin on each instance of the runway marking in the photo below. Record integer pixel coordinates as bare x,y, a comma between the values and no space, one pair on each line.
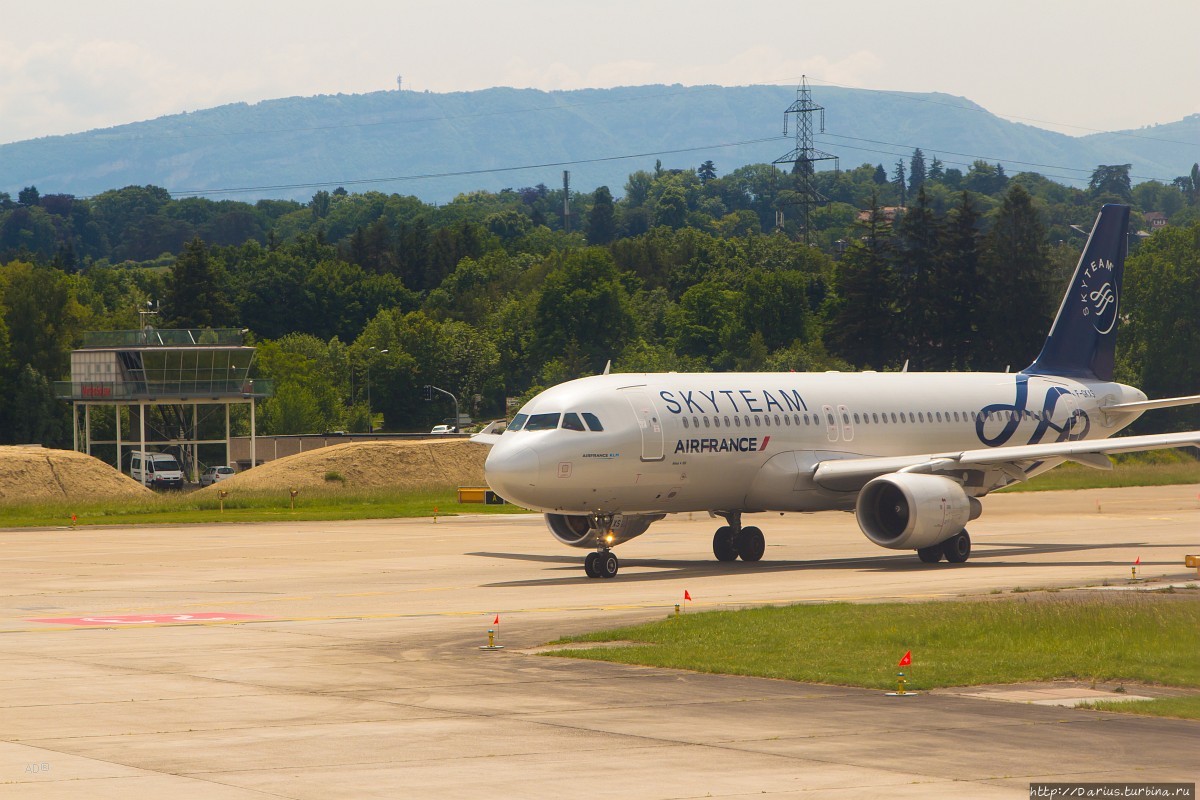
148,619
167,620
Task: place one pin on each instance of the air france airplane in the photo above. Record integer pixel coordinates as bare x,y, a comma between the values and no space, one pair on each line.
603,457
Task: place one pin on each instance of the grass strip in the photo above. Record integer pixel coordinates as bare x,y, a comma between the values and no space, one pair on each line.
257,506
1182,707
1111,637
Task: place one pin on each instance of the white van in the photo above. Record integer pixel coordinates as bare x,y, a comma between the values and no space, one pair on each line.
156,470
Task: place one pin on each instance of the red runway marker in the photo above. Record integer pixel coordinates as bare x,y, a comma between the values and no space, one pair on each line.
149,619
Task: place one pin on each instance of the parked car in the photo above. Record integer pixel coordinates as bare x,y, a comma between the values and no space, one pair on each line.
444,429
156,470
216,475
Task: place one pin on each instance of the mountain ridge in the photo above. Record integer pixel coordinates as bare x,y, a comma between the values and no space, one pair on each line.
508,137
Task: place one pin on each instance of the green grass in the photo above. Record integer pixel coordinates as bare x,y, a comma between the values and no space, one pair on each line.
311,504
1153,468
1183,707
1135,637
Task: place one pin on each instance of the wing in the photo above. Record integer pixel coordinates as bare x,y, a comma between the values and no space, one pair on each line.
849,474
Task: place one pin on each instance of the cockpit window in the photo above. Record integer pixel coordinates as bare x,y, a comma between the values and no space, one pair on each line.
593,421
572,422
542,422
517,423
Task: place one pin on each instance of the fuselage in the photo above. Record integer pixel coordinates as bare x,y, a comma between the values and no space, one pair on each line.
673,442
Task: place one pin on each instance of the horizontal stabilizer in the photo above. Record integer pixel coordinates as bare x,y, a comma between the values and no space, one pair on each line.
1146,405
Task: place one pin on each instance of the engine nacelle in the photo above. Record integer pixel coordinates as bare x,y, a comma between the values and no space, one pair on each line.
577,531
907,511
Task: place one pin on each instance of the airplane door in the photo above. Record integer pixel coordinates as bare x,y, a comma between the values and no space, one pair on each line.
649,422
832,431
847,426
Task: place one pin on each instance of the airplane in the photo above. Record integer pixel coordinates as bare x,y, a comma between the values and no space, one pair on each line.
604,457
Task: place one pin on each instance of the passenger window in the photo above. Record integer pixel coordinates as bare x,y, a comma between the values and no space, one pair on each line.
874,418
939,416
845,418
696,422
777,419
517,423
737,422
903,418
716,422
796,418
593,422
956,416
542,422
706,422
685,422
727,422
756,422
855,417
920,416
806,419
894,417
767,420
572,422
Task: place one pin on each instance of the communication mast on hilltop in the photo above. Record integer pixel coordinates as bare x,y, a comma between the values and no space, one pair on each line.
804,156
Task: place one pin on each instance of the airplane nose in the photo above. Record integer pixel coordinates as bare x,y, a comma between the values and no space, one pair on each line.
510,470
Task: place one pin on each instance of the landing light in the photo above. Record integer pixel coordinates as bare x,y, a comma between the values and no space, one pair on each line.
609,538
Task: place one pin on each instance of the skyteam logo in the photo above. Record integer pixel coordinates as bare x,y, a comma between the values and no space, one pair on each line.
1098,295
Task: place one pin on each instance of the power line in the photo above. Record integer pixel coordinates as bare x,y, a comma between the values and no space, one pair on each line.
425,176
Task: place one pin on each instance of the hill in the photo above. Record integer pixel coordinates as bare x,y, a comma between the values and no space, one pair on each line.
283,148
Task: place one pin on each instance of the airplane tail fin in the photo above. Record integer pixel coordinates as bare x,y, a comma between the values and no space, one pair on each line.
1082,342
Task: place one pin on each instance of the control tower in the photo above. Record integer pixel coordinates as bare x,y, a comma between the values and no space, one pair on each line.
164,378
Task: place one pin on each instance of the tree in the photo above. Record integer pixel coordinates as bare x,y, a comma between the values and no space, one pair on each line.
1112,180
671,209
898,180
34,414
42,315
917,263
28,196
916,170
863,328
706,172
1160,343
1020,301
582,301
601,218
984,178
937,170
880,176
198,293
958,291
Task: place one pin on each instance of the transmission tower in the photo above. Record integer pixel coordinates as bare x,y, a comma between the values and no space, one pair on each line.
804,156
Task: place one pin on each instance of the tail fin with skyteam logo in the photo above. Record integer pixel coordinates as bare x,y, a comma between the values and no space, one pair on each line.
1082,343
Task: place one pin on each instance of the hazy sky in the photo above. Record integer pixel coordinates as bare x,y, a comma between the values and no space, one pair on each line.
1099,65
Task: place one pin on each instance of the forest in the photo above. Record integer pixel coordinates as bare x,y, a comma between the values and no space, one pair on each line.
496,295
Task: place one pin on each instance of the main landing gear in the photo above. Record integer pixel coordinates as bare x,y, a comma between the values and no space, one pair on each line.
603,563
732,540
956,550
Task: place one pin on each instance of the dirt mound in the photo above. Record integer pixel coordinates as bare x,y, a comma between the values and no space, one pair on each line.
37,474
421,464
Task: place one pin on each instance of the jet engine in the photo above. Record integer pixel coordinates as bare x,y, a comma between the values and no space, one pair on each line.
577,531
907,511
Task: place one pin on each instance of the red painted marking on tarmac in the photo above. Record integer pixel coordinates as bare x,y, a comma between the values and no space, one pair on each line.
149,619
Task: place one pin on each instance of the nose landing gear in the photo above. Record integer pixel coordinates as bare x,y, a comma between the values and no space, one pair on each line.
603,563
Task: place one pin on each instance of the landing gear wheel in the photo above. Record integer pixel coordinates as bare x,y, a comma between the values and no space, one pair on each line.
607,564
723,546
930,555
957,548
590,565
750,544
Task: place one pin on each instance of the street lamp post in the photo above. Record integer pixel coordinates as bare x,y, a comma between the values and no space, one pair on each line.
370,414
